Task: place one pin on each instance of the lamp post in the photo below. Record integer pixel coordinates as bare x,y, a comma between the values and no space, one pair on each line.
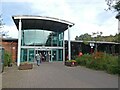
91,45
95,35
118,17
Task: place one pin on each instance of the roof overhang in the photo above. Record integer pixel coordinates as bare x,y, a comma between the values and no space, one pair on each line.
41,22
100,42
10,39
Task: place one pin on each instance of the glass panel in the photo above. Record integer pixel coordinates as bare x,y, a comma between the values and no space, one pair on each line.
54,58
31,55
60,55
57,55
49,55
27,55
41,37
23,55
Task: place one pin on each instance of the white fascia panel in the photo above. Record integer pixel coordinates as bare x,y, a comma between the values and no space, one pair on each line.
43,18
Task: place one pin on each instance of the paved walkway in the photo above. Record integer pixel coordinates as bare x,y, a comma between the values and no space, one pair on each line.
56,75
0,81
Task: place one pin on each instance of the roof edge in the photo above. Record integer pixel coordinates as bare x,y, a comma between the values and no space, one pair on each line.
42,17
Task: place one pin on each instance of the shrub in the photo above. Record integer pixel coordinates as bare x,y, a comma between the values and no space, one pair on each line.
7,58
83,60
100,61
112,65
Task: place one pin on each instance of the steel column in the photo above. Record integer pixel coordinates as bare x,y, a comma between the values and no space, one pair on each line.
19,42
69,45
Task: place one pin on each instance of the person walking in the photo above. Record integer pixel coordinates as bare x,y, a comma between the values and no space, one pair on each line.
38,59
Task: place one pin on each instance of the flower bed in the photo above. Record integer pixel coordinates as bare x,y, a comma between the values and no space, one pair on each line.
25,66
71,63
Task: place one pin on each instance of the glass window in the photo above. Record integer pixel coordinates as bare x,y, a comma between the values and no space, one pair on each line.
41,37
27,55
23,55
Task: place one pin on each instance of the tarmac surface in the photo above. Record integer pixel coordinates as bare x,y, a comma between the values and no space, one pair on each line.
57,75
0,81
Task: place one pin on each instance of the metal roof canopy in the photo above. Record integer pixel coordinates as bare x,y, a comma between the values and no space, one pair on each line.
41,22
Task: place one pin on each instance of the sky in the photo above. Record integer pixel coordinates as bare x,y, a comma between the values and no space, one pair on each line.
87,15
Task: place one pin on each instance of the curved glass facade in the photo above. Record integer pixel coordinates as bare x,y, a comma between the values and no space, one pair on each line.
48,43
41,38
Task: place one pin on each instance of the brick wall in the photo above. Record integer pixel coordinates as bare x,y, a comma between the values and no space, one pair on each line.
11,47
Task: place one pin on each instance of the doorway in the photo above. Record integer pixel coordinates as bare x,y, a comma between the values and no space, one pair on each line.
45,55
48,55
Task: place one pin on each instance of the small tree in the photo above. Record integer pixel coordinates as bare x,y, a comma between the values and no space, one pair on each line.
7,58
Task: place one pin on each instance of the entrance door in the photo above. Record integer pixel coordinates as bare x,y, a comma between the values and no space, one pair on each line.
31,55
57,55
46,56
27,55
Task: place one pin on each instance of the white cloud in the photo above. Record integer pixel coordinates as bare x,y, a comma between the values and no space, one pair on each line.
53,8
16,0
12,31
88,16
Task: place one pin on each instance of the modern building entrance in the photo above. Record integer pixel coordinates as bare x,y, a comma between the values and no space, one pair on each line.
48,55
45,55
43,35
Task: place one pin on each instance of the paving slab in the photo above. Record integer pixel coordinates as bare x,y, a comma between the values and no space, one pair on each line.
57,75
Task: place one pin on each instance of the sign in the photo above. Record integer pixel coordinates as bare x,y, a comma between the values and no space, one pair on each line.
91,44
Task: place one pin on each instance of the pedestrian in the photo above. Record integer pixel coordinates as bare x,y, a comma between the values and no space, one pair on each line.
38,59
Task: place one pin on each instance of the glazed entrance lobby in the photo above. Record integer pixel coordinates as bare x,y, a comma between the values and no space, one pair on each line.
38,34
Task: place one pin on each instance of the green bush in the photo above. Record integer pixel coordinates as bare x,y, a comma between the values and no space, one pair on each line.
82,60
112,65
7,58
100,61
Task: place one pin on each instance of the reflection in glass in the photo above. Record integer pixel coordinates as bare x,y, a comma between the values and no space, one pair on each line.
41,37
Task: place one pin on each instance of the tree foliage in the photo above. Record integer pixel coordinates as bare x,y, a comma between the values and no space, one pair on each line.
2,32
88,37
115,4
85,37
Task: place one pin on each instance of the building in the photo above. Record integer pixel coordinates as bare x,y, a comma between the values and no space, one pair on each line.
102,46
45,35
10,45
